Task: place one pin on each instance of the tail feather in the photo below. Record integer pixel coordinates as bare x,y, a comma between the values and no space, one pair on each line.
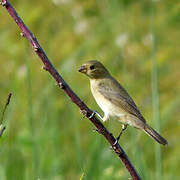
151,132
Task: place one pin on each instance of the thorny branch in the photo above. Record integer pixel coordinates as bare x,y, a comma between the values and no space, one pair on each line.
63,85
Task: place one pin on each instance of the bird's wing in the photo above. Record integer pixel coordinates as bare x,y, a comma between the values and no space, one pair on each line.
115,93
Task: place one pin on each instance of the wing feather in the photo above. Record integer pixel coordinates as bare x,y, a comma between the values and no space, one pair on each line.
119,96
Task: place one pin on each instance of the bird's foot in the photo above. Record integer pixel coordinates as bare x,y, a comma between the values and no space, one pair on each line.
115,142
124,126
113,145
95,113
92,115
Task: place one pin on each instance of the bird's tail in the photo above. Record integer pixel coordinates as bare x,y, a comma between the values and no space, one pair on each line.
151,132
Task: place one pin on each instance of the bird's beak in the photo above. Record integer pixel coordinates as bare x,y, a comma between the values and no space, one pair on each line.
82,69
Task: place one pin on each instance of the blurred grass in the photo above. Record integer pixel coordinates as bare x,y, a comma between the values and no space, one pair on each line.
30,117
46,136
155,94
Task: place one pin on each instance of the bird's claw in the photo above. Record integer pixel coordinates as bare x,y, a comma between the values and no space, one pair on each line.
95,113
115,142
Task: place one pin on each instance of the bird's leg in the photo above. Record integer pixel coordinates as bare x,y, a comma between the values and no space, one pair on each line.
124,126
105,118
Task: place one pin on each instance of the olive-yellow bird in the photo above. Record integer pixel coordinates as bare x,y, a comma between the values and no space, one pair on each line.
114,100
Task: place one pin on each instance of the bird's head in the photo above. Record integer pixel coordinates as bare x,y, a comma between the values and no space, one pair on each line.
94,69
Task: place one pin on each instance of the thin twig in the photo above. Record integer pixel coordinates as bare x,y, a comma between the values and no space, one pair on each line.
3,127
5,107
63,85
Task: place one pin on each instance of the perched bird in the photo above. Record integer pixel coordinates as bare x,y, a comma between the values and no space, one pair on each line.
114,100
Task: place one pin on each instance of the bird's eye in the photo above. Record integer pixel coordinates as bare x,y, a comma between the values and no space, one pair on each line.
92,67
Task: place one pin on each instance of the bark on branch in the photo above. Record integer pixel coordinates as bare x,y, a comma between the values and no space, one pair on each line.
63,85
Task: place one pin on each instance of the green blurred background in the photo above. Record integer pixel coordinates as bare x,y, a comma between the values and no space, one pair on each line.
46,136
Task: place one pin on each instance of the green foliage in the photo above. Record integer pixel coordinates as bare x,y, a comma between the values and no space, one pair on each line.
46,136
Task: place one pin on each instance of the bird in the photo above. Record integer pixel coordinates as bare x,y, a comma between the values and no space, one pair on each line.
115,101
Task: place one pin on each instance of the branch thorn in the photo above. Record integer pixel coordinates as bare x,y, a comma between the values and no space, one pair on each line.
96,130
4,3
45,68
84,112
22,34
35,48
61,85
